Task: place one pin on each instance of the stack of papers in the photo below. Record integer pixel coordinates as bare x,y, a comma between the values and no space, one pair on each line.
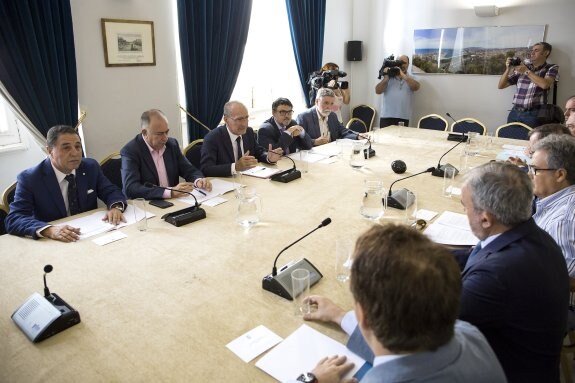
219,188
261,172
451,229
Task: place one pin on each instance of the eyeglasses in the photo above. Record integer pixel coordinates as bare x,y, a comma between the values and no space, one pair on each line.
240,119
533,170
285,112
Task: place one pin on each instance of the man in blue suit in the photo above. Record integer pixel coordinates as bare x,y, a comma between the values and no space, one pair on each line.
232,148
153,158
64,184
406,291
321,123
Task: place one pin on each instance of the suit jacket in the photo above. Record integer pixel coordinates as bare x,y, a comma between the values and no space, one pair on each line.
138,168
466,358
38,199
516,291
218,154
269,133
310,122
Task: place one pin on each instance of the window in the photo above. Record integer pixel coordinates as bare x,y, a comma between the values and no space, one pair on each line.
10,134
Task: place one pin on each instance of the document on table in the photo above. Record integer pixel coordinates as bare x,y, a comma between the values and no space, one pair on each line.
512,151
219,188
261,172
301,351
253,343
451,229
310,157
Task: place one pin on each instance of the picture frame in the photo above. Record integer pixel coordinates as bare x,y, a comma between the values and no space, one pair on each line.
128,42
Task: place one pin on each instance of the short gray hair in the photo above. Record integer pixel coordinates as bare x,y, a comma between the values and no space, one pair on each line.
560,151
503,190
325,92
147,115
228,107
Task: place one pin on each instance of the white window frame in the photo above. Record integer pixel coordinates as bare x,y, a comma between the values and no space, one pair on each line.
11,129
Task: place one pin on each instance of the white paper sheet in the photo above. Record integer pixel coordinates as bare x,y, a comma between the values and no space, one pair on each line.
114,236
301,351
219,188
253,343
261,172
451,229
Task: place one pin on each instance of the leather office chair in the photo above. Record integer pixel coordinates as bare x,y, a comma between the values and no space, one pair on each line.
365,113
8,195
468,124
193,152
433,122
3,214
356,125
111,167
515,130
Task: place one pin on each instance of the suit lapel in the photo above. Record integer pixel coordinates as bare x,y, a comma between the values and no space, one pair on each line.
227,144
82,186
51,183
147,158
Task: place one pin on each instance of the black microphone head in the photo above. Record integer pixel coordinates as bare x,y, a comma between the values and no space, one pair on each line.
48,268
398,166
431,169
149,185
325,222
447,114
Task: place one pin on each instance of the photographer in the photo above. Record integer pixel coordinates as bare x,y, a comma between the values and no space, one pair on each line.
328,77
397,88
533,80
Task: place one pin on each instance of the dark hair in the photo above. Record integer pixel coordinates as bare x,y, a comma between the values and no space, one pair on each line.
548,129
329,66
147,115
408,288
560,151
281,101
546,47
56,131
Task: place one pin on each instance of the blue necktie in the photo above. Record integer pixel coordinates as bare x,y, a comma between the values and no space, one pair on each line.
473,253
73,205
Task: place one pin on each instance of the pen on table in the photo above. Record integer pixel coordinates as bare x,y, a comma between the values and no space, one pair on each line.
200,191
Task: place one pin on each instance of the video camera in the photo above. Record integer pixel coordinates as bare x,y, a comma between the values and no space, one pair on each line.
321,79
393,66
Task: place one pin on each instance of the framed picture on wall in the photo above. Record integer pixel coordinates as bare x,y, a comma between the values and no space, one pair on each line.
128,42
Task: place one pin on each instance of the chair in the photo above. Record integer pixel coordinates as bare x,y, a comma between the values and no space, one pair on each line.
357,125
8,195
468,124
193,152
111,167
433,122
365,113
515,130
3,214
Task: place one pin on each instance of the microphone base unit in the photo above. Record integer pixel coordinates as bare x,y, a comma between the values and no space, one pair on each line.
457,137
440,171
281,283
368,153
286,176
42,317
400,199
184,216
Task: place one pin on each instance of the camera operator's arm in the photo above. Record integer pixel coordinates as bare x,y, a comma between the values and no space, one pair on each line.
504,79
542,82
382,85
413,84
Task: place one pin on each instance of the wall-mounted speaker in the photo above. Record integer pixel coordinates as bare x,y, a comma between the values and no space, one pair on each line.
354,50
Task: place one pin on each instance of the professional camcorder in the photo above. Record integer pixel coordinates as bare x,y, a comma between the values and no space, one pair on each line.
321,79
393,66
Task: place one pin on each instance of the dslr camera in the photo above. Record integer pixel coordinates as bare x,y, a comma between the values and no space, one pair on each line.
321,79
393,66
515,61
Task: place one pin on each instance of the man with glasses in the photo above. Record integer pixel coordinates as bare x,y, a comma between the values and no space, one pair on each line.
281,131
232,147
533,78
552,172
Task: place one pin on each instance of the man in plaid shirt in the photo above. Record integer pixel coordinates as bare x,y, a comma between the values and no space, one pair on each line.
533,81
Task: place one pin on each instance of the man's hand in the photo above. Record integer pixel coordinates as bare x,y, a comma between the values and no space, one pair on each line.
332,370
183,186
274,155
62,233
320,141
246,162
516,161
114,216
326,310
294,130
365,136
203,183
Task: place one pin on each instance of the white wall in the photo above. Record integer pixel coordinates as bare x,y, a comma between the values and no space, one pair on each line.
14,162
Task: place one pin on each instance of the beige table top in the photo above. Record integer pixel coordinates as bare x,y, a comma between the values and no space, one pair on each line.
161,305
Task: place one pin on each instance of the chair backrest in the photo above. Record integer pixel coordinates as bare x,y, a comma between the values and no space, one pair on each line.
365,113
433,122
468,124
357,125
8,195
111,167
193,152
3,214
515,130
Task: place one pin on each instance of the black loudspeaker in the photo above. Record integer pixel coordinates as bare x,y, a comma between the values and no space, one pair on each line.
354,50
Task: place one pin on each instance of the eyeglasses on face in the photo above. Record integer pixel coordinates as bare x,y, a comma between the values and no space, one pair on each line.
533,170
285,112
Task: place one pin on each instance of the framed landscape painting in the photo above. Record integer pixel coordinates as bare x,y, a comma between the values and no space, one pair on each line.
128,42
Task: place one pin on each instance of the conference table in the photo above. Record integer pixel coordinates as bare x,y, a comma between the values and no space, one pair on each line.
161,305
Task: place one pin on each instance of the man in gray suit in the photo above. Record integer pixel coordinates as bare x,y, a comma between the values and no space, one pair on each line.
406,291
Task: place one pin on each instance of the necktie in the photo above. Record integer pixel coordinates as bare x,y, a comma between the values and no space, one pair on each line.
72,195
239,145
473,254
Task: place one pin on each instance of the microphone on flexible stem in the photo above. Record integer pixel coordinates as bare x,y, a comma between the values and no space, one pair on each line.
368,152
449,115
287,175
440,169
183,216
403,198
47,269
280,284
455,136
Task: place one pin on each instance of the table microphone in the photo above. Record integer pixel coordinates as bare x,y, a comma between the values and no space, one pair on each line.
184,216
440,169
449,115
454,136
287,175
403,198
280,284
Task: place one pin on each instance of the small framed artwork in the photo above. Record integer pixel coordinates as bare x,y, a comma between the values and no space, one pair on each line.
128,42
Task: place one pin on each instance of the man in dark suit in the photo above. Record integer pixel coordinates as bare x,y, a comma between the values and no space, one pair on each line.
281,131
232,147
154,158
64,184
321,123
406,291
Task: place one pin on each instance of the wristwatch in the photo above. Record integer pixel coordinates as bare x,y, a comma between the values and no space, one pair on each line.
308,377
118,205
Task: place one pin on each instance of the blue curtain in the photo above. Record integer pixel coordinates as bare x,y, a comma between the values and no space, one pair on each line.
38,60
213,35
307,23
